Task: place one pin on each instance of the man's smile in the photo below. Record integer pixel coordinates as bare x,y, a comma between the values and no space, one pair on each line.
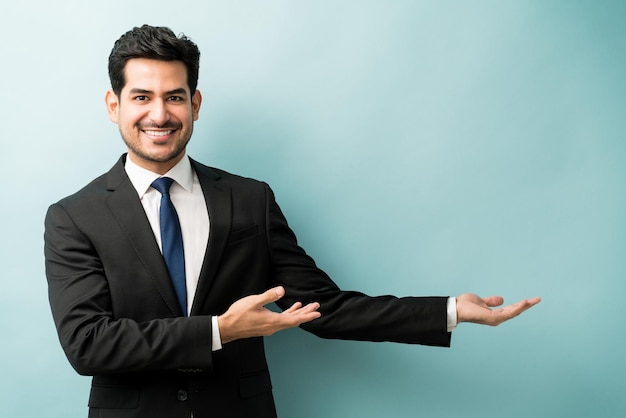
158,133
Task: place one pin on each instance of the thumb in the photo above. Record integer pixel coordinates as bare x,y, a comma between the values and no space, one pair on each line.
493,301
271,295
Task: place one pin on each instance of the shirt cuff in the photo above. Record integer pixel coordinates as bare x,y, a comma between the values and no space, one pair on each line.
216,343
452,318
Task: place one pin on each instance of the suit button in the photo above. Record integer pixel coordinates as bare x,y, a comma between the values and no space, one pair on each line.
181,395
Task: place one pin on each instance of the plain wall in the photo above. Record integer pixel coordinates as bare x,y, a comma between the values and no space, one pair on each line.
416,148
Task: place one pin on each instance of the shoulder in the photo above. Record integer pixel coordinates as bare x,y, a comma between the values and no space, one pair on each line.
97,189
225,177
244,190
92,190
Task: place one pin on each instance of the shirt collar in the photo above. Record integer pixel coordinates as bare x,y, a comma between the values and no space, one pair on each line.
182,173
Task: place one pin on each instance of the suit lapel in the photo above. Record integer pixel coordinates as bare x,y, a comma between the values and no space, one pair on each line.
218,200
126,208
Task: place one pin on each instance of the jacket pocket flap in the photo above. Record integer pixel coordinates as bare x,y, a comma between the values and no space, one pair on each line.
241,234
120,397
255,384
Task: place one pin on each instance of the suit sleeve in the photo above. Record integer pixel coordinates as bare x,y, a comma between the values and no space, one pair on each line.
94,339
347,314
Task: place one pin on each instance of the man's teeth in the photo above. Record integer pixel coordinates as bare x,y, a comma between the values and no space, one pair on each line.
158,133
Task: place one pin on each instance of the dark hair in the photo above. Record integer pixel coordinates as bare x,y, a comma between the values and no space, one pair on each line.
151,42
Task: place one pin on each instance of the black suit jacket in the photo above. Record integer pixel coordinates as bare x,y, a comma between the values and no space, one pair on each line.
118,319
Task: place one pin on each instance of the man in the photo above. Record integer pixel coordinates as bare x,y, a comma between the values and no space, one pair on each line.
160,269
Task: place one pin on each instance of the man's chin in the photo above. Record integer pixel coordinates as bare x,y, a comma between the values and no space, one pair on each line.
166,158
145,160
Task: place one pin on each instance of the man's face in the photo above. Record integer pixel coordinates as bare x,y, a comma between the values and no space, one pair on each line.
155,112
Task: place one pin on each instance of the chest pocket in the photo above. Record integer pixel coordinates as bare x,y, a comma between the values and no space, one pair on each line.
243,233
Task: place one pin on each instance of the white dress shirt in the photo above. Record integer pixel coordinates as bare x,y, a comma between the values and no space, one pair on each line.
188,199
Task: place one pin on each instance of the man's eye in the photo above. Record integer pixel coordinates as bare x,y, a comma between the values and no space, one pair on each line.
141,98
175,98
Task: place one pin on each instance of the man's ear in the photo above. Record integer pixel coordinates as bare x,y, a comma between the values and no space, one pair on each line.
113,105
196,102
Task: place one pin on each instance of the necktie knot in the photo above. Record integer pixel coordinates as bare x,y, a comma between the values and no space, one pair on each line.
163,184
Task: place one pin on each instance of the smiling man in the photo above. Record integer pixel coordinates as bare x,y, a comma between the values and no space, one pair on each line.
159,270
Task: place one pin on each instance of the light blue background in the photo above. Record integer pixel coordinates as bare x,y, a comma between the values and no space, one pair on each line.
416,148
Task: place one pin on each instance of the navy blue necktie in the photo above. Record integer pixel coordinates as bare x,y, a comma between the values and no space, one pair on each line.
172,241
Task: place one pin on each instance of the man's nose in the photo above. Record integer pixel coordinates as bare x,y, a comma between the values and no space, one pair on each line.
159,113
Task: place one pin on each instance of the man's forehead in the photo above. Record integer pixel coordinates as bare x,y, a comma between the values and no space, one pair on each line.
150,75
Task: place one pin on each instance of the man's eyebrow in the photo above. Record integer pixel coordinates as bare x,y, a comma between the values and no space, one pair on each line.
139,91
180,91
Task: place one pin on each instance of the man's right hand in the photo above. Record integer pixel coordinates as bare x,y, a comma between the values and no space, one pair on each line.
248,316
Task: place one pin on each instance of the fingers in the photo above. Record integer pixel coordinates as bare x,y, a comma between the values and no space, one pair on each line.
306,310
524,305
534,301
293,307
298,307
513,310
